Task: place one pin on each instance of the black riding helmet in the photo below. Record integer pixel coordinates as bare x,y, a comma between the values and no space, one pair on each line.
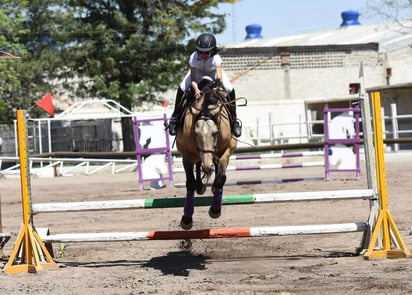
206,42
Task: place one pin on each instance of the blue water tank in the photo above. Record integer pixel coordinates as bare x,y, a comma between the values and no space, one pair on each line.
253,31
350,18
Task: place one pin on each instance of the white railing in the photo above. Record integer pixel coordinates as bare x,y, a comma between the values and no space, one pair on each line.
394,118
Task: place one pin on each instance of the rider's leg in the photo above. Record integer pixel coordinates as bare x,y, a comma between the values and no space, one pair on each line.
236,124
178,105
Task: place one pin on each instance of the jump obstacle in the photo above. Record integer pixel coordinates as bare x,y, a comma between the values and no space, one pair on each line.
34,256
201,201
329,142
327,147
268,166
209,233
206,201
4,238
142,150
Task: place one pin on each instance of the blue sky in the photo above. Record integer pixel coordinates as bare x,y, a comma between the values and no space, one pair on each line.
288,17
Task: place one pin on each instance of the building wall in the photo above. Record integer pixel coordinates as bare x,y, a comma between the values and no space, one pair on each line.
302,73
400,62
277,81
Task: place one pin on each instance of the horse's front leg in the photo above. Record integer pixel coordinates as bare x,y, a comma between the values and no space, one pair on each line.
217,188
200,186
187,221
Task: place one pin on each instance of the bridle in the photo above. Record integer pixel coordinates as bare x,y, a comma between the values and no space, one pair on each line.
214,115
215,137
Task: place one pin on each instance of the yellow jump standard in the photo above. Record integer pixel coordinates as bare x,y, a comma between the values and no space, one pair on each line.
34,255
384,223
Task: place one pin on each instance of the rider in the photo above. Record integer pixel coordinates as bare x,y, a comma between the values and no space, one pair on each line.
205,61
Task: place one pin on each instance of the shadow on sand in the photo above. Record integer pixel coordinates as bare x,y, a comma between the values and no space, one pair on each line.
177,263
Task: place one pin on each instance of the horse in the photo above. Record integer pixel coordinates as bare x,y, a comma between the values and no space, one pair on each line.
205,142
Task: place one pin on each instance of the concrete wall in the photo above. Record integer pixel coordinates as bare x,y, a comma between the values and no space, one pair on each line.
277,88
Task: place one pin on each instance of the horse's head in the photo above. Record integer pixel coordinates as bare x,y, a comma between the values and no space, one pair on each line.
206,130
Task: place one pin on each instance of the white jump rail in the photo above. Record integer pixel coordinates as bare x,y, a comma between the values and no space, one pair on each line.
208,233
179,202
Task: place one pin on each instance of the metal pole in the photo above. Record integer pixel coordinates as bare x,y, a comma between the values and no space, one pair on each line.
168,155
370,163
395,128
271,129
40,138
257,131
49,135
326,140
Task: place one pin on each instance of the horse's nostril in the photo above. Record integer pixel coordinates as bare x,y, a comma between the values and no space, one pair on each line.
208,169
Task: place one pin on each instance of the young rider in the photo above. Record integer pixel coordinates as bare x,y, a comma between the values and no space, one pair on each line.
205,61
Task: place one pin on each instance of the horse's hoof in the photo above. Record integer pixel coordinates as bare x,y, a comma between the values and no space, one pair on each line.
214,213
186,222
186,244
201,190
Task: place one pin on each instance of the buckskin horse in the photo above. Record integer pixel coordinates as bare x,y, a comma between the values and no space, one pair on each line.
205,142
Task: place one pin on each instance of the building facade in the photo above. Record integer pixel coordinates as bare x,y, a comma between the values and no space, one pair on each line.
277,75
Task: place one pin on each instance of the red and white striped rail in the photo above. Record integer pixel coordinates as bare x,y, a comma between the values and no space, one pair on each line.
208,233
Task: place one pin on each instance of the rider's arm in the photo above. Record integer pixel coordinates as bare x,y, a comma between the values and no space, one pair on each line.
193,82
219,72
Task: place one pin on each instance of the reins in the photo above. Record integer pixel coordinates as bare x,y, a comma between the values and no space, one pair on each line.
214,114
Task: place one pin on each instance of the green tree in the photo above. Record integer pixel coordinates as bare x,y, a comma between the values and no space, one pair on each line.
126,50
11,26
129,50
24,33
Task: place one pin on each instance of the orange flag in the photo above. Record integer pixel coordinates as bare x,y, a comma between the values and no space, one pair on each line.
46,103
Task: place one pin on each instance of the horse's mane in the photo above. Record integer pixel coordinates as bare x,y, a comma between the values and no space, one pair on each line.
210,97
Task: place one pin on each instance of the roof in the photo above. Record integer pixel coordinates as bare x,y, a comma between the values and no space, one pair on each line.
386,87
388,36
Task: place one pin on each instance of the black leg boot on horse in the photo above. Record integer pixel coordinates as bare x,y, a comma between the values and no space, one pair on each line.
177,109
236,124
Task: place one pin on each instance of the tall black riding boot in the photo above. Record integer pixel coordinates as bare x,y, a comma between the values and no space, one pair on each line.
178,105
236,124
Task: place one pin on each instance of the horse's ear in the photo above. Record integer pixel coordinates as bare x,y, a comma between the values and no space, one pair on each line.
218,83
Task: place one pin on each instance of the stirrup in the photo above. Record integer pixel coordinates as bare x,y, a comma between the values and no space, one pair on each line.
172,126
237,128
